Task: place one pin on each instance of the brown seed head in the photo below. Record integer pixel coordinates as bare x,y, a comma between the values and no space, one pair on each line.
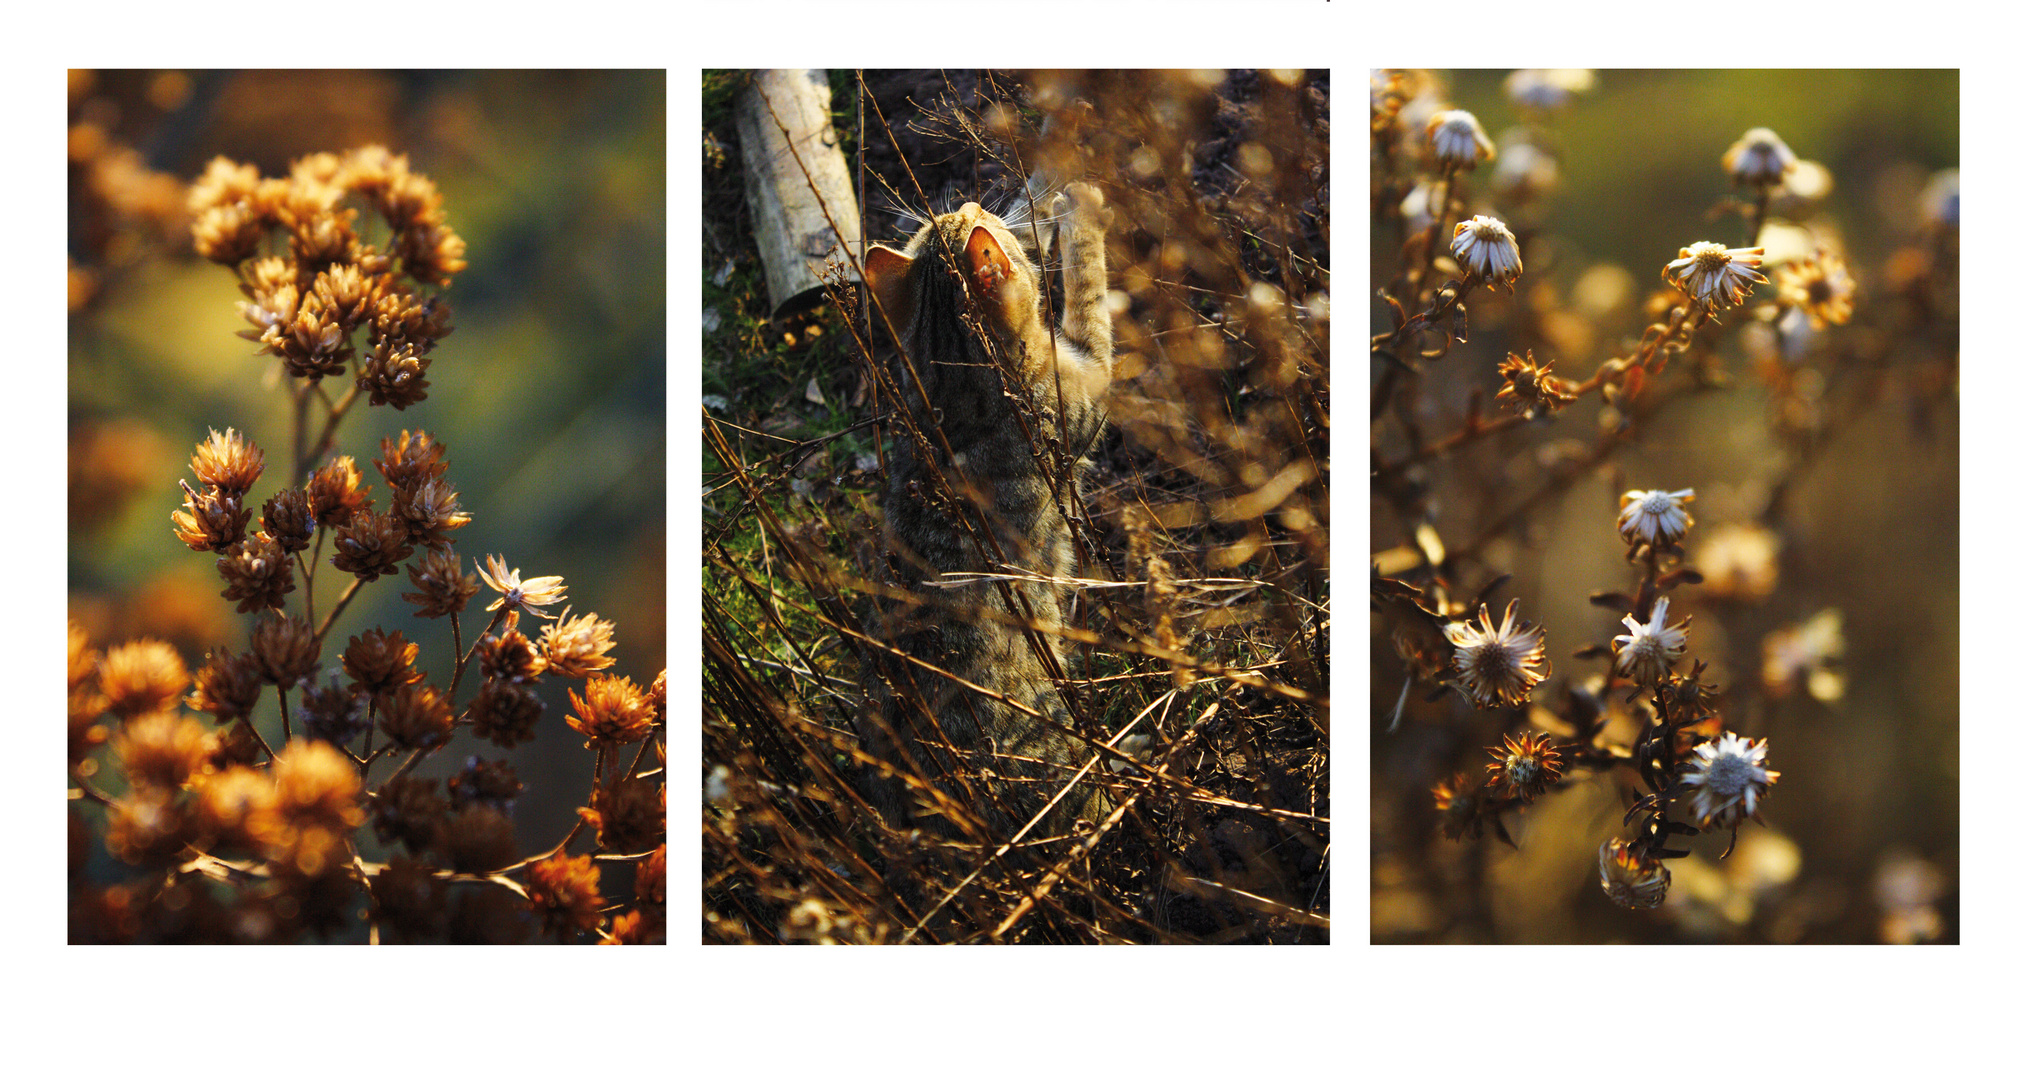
258,573
287,518
442,586
227,235
629,816
394,374
371,546
650,878
315,785
415,716
210,520
224,181
478,841
336,494
509,656
429,511
564,890
1523,768
228,685
410,903
487,783
505,713
413,459
332,712
227,462
380,662
408,810
285,648
164,750
237,808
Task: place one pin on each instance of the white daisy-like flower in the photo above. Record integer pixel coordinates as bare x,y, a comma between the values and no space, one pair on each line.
1658,517
1759,158
1500,665
1729,777
1484,246
1717,277
1649,650
1548,88
1458,139
1629,879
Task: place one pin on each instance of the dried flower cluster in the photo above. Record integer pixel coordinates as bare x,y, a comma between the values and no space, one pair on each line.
1505,391
248,824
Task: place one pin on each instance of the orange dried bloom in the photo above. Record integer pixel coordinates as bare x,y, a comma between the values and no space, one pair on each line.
228,685
1523,768
1529,388
564,890
164,750
650,877
429,512
336,495
227,462
285,648
509,656
505,713
628,815
83,658
237,808
412,460
210,520
257,573
612,710
315,785
371,546
530,596
380,662
416,716
442,586
142,677
573,648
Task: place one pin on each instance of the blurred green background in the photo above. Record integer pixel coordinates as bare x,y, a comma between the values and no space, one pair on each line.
1869,800
550,396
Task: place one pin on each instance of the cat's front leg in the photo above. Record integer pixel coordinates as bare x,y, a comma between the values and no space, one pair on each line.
1086,321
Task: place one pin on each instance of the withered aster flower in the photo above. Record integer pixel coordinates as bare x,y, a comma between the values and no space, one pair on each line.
141,676
1728,776
83,658
371,546
227,463
315,785
1485,247
381,662
1649,650
1821,287
1523,768
1655,517
1529,388
573,648
564,890
1630,879
612,710
210,520
416,716
228,685
1715,276
1739,562
286,649
1759,159
164,750
1456,805
257,573
1548,88
287,518
505,713
1458,140
442,586
336,494
1499,665
236,807
509,656
529,596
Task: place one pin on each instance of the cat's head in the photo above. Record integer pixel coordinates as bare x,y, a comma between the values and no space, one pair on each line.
995,258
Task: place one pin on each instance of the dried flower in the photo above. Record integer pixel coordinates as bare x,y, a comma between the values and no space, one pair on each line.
228,685
1458,140
1530,388
1821,287
650,877
333,712
429,512
315,786
1649,650
1739,562
409,901
335,494
407,810
227,462
1456,804
164,750
371,546
285,648
416,716
1630,879
1715,276
505,713
1655,517
287,518
573,648
1500,665
1759,159
381,662
412,460
630,815
442,587
257,573
564,889
478,840
1485,247
141,677
1729,777
1523,768
395,374
529,596
211,520
1548,88
509,656
237,807
612,710
485,783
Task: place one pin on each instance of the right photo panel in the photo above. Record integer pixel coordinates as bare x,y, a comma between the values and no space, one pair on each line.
1664,493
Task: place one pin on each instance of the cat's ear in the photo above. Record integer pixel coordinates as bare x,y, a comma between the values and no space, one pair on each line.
886,275
989,267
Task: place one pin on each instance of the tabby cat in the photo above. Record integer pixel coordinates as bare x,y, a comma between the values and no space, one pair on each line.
1006,407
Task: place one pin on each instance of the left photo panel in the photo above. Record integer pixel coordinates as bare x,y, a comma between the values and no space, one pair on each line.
367,507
